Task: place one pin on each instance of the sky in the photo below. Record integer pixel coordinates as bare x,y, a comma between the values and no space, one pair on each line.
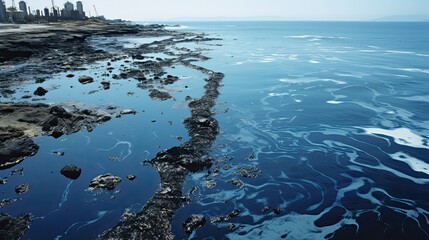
325,10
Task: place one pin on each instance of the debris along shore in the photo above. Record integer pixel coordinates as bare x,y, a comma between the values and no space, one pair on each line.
36,54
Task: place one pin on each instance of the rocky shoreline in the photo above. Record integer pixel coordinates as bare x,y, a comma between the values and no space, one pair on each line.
36,54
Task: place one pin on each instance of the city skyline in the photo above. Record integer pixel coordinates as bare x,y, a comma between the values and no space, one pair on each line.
20,12
325,10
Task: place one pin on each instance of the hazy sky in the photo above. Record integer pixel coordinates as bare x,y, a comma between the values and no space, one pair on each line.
287,9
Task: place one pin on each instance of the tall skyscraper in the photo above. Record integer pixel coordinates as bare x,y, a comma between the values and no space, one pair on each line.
46,12
23,7
3,17
79,8
68,6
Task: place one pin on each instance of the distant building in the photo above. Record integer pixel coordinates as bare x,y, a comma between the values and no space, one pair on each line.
38,13
15,16
46,12
23,7
3,17
67,12
79,8
68,6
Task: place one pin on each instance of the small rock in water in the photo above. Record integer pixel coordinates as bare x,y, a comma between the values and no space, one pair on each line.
85,79
236,182
156,94
40,91
265,209
249,171
131,177
106,84
5,202
22,188
231,227
106,181
19,171
71,171
193,222
211,185
70,75
3,181
277,211
128,111
225,218
58,153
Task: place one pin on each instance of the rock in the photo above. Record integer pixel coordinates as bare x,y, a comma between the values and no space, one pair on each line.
40,80
236,182
249,171
131,177
56,153
128,111
156,94
210,185
104,118
6,201
231,227
70,75
170,79
106,181
60,112
106,84
225,218
85,79
40,91
86,112
71,171
277,211
14,228
22,188
3,181
193,222
14,149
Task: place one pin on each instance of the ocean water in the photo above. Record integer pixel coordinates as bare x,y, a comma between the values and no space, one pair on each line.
333,114
336,117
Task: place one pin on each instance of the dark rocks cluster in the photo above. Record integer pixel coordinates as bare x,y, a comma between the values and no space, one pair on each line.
55,121
14,227
225,218
173,165
105,181
193,222
14,147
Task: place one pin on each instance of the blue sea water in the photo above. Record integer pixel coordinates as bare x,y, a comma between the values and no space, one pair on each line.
333,114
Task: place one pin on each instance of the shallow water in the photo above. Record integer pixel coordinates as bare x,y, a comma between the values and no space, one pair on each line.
62,208
335,115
